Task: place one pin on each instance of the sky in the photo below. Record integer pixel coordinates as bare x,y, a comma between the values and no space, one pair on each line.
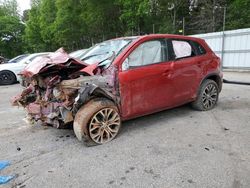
23,5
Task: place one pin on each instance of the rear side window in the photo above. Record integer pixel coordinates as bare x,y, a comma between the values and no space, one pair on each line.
186,48
200,49
182,49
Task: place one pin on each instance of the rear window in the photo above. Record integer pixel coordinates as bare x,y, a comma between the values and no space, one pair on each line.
186,48
199,48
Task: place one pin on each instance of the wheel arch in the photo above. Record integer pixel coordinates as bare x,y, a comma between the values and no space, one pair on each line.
84,115
93,92
215,77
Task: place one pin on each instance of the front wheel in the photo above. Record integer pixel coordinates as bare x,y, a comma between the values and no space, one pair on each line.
207,96
97,122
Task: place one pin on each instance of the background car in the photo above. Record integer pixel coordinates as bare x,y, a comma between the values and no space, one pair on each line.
18,58
9,71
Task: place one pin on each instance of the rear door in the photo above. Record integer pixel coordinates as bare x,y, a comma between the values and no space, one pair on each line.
187,70
145,80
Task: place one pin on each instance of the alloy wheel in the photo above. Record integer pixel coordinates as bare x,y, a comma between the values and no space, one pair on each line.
209,96
104,125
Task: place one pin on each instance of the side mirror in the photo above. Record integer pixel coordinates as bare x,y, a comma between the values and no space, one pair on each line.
125,65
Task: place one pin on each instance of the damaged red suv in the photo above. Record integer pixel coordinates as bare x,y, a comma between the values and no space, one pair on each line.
117,80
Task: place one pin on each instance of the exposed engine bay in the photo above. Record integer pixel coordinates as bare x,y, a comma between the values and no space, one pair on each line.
56,86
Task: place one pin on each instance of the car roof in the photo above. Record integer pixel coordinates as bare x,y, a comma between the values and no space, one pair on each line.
152,36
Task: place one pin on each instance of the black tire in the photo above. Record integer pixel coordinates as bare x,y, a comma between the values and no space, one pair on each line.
208,95
7,77
90,122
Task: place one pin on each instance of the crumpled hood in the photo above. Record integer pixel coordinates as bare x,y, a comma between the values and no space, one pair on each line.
40,64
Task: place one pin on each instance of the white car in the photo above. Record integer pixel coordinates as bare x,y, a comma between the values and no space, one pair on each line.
9,71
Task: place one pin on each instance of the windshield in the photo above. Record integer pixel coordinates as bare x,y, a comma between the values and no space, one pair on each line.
77,54
104,50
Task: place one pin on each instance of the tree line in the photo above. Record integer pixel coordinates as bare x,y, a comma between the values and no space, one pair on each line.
77,24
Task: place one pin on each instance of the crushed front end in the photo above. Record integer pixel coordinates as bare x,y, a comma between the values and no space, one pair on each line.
58,85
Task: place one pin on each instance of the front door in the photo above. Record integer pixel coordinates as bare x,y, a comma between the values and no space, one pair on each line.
145,80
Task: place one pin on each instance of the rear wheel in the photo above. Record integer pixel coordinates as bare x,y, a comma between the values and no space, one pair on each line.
7,78
207,96
97,122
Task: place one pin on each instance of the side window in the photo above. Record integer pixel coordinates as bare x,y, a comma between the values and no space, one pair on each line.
182,49
199,48
145,54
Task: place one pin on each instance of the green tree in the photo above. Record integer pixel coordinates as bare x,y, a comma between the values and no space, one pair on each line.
68,25
206,17
32,37
11,30
47,24
101,19
10,8
134,13
238,14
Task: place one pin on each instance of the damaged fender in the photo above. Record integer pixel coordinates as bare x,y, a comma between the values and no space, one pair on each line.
58,85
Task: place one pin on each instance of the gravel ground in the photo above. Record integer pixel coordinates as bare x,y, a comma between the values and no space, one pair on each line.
174,148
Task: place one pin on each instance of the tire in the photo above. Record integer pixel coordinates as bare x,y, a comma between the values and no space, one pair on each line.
97,122
7,77
208,95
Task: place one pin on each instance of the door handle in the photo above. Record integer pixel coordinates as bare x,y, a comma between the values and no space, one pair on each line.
199,64
167,73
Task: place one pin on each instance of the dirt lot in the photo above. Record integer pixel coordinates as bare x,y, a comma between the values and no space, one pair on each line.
173,148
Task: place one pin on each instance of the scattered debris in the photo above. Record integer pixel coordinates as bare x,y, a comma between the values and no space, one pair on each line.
111,182
4,164
18,149
207,149
190,181
226,129
5,179
132,168
123,178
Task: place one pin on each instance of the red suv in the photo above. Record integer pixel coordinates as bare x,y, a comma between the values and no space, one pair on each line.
117,80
